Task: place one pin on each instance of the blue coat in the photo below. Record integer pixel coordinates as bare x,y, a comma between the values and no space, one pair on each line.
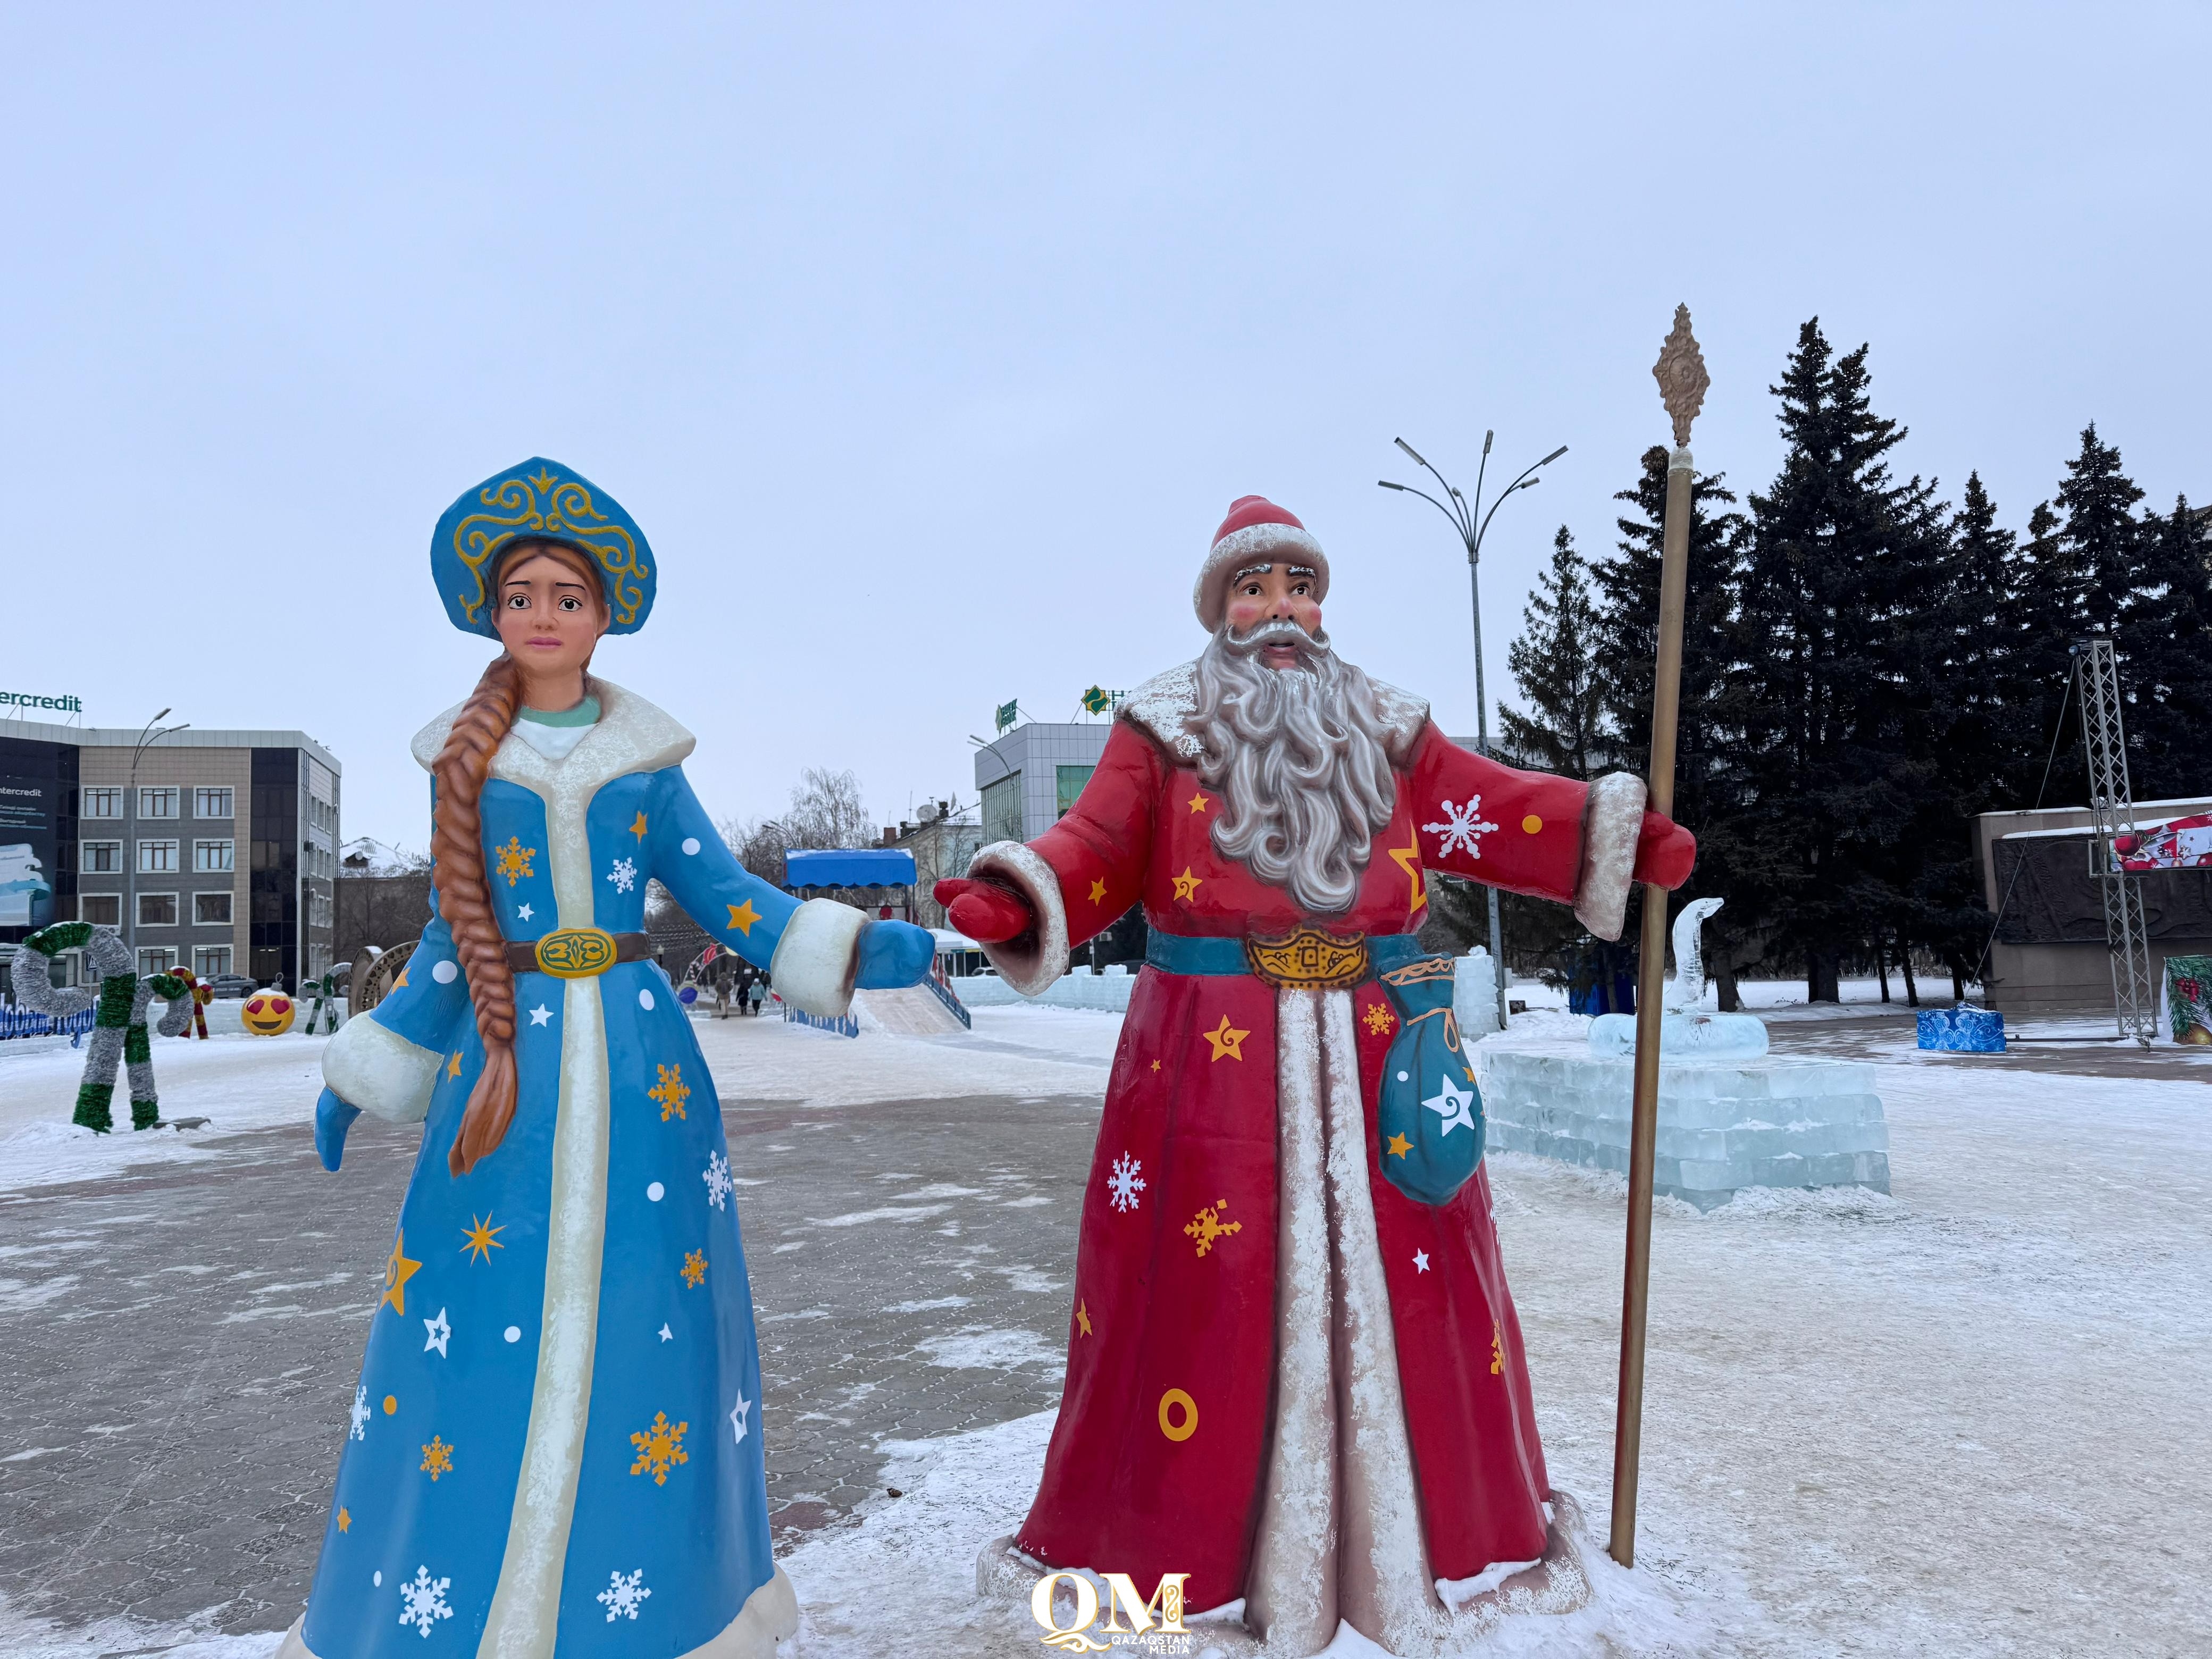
555,1445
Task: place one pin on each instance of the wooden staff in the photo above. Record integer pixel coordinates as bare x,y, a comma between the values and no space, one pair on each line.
1681,372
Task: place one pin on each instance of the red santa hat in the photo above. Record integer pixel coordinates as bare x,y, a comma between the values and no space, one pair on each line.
1254,529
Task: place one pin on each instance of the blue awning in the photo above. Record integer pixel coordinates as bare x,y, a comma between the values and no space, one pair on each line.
858,866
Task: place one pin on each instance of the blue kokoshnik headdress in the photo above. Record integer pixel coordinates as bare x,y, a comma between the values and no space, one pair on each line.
539,500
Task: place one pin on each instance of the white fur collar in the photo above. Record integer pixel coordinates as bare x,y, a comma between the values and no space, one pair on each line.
1162,707
630,735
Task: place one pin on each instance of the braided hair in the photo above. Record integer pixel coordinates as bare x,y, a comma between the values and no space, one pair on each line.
458,872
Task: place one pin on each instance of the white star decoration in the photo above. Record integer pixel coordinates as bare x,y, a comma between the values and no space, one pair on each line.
738,1419
439,1333
360,1412
1420,1261
1461,827
523,912
667,1335
1450,1103
623,875
540,1014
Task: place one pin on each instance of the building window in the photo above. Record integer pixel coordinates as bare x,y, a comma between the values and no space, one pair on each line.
1068,783
102,803
156,959
157,857
213,855
157,910
101,910
212,803
211,961
159,802
100,858
211,909
1002,809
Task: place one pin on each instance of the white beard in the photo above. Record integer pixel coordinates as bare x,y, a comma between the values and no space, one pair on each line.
1300,759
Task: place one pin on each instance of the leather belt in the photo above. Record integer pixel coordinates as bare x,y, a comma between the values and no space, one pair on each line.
576,952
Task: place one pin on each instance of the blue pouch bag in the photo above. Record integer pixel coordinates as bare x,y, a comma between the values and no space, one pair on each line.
1431,1112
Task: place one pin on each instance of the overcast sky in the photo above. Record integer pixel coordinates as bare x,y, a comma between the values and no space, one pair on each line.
928,344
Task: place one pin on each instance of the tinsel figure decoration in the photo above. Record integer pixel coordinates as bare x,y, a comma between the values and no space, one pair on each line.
118,1029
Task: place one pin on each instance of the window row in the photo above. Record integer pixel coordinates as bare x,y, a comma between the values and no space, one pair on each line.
208,961
105,858
156,801
154,909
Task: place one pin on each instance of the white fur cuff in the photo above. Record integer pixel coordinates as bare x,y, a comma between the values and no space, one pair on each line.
374,1067
1033,962
1613,819
818,956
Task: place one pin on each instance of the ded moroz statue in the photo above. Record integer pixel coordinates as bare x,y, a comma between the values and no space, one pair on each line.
1294,1371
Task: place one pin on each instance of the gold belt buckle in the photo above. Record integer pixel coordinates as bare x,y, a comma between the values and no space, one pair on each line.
576,952
1310,960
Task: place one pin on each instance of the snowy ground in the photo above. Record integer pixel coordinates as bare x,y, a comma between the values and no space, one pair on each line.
1964,1419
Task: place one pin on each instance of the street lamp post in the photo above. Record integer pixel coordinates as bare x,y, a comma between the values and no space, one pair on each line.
1473,524
148,737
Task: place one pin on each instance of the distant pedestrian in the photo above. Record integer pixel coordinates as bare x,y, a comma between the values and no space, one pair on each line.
760,994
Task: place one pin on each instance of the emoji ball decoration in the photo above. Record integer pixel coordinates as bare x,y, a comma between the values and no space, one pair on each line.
268,1014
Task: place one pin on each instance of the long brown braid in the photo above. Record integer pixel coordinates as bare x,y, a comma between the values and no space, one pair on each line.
464,891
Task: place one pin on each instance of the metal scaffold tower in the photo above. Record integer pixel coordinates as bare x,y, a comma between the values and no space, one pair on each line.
2111,812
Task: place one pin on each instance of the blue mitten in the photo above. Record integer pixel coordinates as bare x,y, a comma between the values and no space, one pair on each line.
333,1117
892,954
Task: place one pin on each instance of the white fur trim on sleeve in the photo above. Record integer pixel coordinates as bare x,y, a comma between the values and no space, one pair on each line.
374,1067
1613,819
1035,959
817,958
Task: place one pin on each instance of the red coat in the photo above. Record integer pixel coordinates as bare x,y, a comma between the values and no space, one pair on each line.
1156,1462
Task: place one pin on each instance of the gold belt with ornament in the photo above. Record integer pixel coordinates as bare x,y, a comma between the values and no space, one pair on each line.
576,952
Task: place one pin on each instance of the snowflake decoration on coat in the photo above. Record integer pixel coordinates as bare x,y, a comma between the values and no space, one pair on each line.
717,1177
514,859
695,1268
424,1602
1379,1019
1208,1227
671,1091
437,1458
623,875
623,1596
1462,827
660,1448
1125,1183
360,1412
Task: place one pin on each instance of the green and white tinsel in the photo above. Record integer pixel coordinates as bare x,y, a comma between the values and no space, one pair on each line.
119,1029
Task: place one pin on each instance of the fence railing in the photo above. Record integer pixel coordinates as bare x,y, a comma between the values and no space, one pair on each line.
945,993
845,1026
16,1022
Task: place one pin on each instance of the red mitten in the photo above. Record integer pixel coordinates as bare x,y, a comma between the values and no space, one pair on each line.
1665,853
983,910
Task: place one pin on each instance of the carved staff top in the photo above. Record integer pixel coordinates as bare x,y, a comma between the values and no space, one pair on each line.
1681,372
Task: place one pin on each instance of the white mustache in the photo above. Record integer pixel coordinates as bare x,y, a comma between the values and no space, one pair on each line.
1276,630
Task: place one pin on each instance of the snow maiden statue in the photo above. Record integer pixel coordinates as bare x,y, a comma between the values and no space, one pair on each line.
555,1441
1294,1371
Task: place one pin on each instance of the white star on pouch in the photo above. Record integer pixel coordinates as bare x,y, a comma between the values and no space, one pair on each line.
1450,1103
1420,1261
440,1331
540,1014
737,1418
523,913
667,1335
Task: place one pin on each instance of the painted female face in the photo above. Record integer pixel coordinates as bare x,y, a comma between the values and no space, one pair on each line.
549,618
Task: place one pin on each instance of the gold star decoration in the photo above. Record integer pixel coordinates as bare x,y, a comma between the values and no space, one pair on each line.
742,916
1098,890
1198,802
1155,1066
1379,1019
638,828
1226,1040
398,1270
1399,1146
482,1239
401,981
1408,858
1207,1226
514,859
345,1519
1083,1317
660,1448
437,1458
1186,884
695,1268
453,1067
671,1091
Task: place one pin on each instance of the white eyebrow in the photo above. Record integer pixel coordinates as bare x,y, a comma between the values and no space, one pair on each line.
1253,570
1302,570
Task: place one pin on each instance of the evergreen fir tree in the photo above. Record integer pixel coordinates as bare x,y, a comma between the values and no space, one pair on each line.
2051,606
2098,541
2166,632
1564,731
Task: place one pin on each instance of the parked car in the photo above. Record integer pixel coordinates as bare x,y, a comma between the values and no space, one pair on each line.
231,985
